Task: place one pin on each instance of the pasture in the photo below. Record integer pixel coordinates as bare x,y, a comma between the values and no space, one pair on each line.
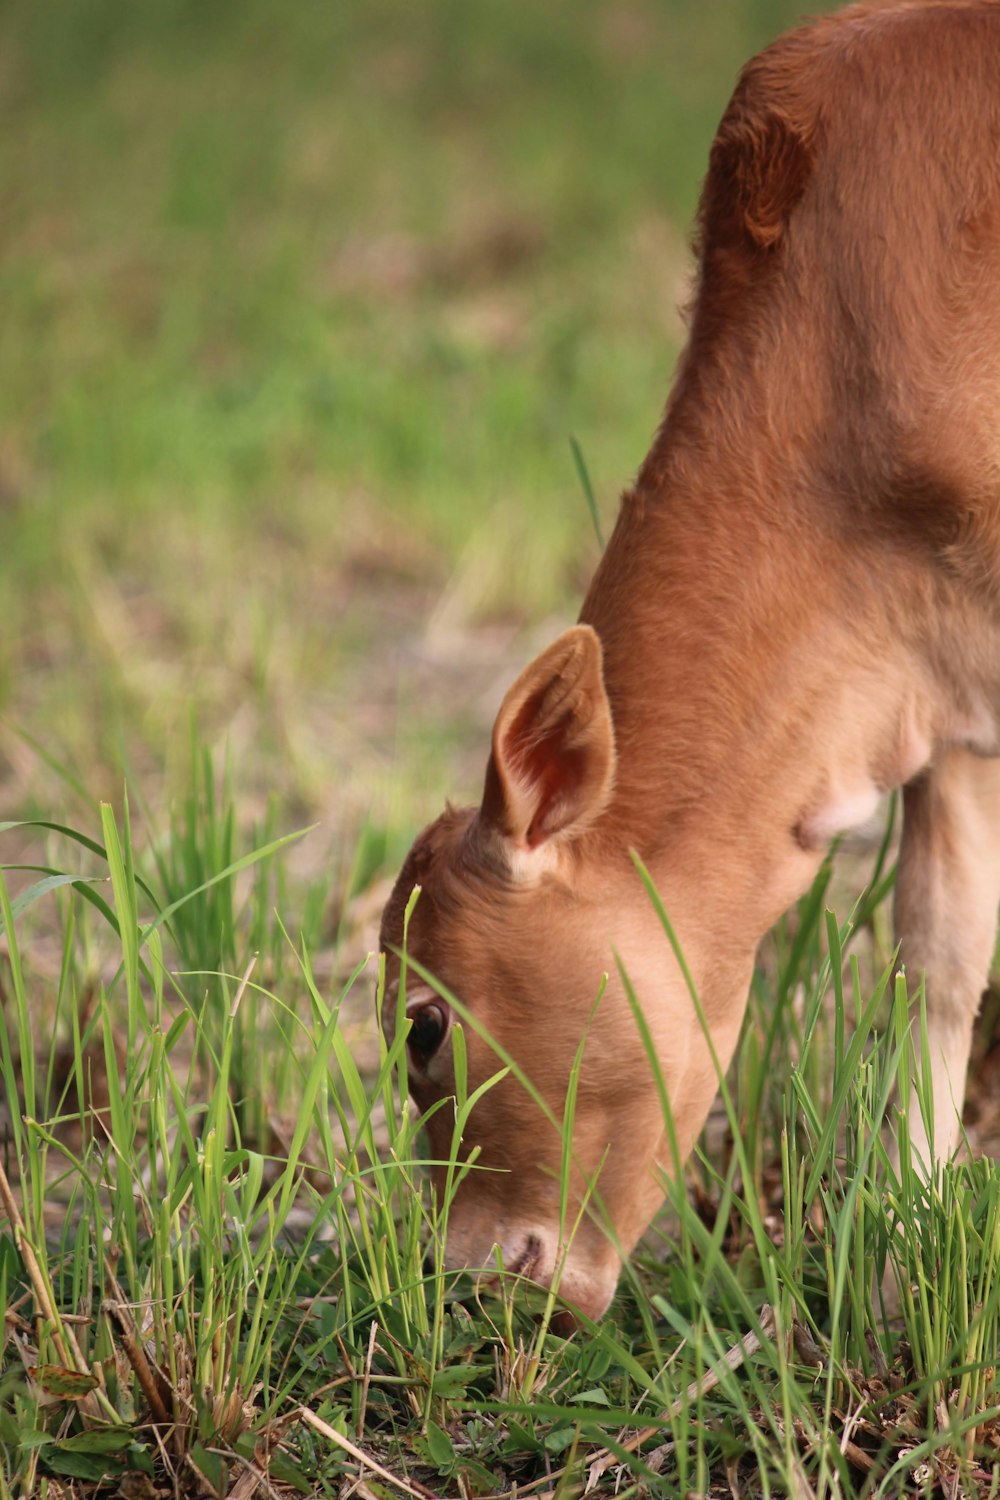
319,326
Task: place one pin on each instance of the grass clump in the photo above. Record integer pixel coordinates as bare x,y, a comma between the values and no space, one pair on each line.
195,1296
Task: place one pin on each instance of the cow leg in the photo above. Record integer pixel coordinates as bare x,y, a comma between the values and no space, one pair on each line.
947,895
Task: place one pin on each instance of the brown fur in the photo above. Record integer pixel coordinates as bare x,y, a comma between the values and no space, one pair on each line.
799,609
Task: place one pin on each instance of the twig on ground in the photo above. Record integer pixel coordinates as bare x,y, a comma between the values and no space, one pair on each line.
363,1409
418,1491
136,1356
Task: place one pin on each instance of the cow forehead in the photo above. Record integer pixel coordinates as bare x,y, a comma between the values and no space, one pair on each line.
434,855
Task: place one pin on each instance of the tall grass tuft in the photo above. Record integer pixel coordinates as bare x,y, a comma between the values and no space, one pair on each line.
187,1299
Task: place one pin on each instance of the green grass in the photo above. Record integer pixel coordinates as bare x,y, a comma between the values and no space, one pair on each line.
329,335
194,1291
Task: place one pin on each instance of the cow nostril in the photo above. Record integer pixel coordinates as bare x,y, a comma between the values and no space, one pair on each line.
527,1262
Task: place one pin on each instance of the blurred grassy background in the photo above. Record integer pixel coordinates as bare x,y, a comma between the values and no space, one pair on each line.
300,306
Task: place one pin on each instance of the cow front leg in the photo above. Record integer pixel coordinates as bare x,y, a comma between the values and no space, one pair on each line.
947,895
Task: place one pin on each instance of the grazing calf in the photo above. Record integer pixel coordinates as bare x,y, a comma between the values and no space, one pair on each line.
799,610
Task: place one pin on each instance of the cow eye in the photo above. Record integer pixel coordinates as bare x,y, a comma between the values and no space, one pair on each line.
427,1028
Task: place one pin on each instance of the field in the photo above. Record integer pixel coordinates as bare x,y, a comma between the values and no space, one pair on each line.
303,311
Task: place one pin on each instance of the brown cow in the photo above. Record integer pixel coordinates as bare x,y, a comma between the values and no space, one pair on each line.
799,610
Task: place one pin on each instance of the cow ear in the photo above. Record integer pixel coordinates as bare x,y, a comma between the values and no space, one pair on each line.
552,765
